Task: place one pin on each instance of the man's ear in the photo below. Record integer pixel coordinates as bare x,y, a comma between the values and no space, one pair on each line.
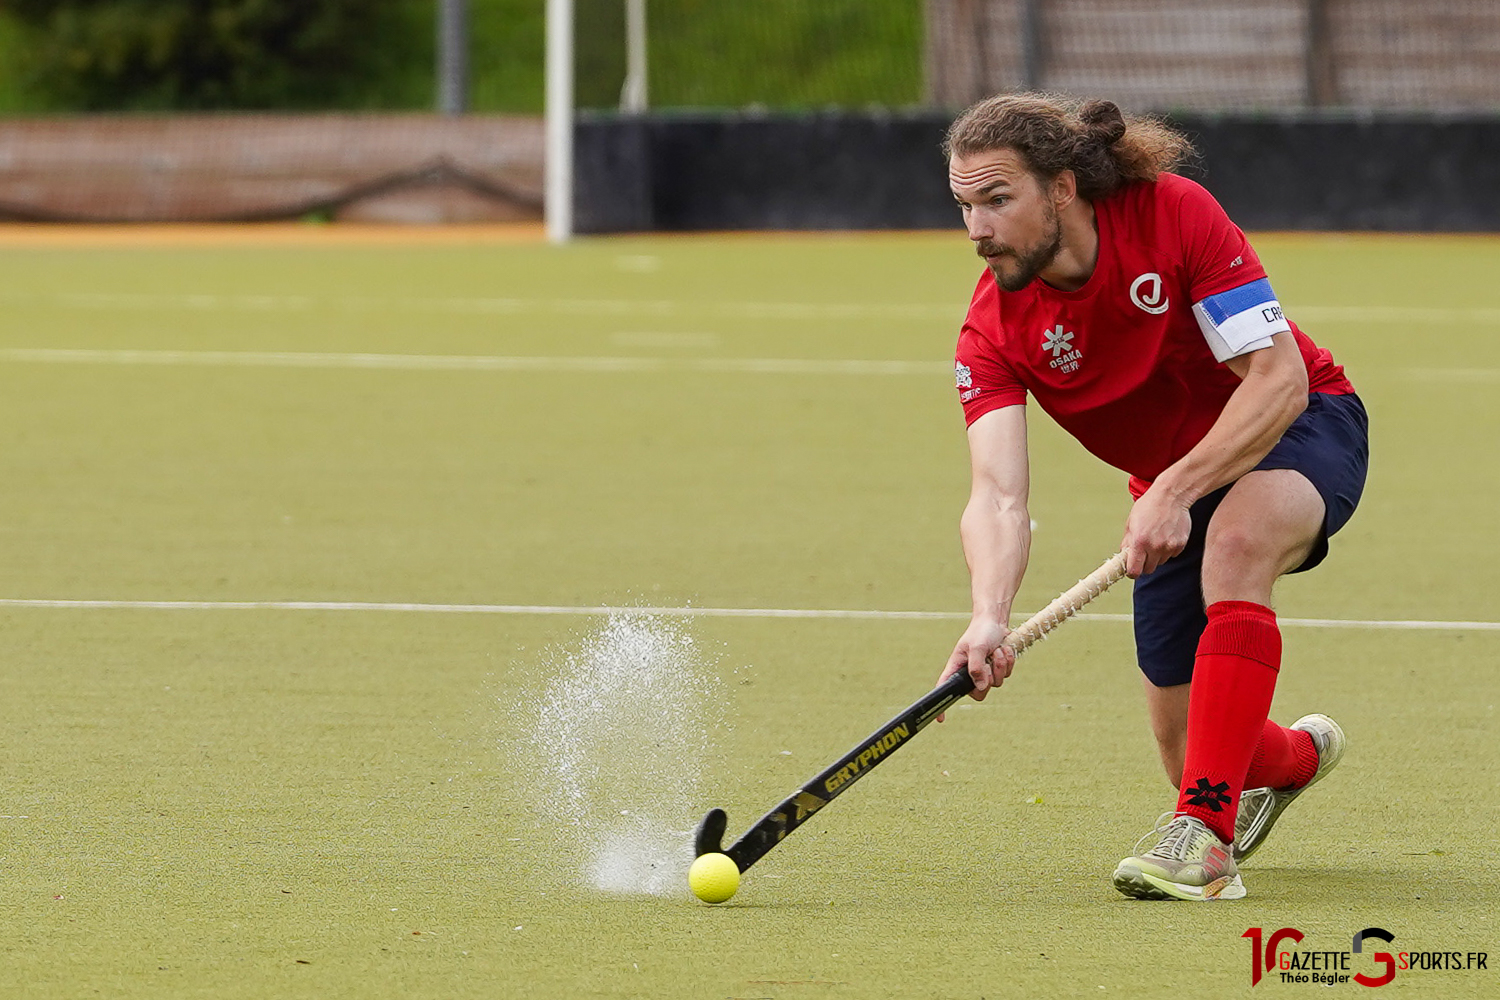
1064,189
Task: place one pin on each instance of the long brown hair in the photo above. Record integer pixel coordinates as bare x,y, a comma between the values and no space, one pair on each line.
1104,148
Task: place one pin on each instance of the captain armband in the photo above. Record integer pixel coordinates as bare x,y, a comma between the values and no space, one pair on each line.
1241,320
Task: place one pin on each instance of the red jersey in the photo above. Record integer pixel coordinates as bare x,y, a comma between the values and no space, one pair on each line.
1129,363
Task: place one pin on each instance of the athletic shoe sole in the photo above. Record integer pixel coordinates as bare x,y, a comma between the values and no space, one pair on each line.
1328,758
1143,885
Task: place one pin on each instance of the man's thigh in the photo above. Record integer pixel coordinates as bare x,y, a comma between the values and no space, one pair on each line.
1267,525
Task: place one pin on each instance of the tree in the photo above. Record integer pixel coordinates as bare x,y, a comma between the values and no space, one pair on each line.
218,54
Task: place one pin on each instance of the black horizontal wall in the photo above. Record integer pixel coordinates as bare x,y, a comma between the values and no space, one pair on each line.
842,170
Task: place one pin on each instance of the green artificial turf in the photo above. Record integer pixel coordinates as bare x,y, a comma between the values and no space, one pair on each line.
348,803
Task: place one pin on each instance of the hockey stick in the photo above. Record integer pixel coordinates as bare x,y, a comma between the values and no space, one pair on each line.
773,827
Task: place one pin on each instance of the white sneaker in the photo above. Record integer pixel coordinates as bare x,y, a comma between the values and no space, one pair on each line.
1260,807
1188,862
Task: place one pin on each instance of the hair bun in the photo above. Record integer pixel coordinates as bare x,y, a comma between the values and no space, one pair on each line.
1103,121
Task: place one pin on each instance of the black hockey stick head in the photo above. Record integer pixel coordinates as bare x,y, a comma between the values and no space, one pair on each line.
710,836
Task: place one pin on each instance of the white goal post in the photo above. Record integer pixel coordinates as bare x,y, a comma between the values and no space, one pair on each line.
558,163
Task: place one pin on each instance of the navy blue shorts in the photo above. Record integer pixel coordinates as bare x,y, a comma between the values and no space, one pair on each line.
1329,444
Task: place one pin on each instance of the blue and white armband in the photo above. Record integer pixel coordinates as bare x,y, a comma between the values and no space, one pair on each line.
1241,320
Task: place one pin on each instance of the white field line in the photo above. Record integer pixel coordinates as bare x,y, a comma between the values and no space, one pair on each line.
559,363
1425,315
505,306
1450,376
689,612
668,308
473,362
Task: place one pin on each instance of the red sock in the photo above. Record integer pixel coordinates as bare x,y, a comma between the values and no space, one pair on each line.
1284,758
1234,677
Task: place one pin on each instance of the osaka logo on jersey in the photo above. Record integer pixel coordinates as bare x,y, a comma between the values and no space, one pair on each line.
1065,356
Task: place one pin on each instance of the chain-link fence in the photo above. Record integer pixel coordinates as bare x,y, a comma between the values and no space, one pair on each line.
1165,55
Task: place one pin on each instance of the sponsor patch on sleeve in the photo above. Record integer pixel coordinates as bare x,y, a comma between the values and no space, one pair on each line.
963,378
1241,320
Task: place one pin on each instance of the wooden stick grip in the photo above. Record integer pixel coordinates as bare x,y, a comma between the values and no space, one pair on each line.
1067,604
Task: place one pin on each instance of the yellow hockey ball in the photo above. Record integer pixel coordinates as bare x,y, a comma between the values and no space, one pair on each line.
714,878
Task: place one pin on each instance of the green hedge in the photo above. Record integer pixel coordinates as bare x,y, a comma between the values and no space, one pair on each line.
148,55
92,55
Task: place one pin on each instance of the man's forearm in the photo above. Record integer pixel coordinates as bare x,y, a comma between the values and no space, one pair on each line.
997,543
1258,413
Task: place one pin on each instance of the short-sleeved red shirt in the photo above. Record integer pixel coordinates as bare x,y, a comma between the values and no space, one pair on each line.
1122,363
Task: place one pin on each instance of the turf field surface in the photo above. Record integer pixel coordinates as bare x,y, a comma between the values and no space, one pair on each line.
223,801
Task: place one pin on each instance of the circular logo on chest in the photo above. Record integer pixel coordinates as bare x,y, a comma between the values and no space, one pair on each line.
1148,293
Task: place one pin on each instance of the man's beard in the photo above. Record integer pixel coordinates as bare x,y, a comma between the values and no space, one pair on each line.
1030,263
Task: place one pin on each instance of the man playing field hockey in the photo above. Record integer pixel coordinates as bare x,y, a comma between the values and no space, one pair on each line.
1126,303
